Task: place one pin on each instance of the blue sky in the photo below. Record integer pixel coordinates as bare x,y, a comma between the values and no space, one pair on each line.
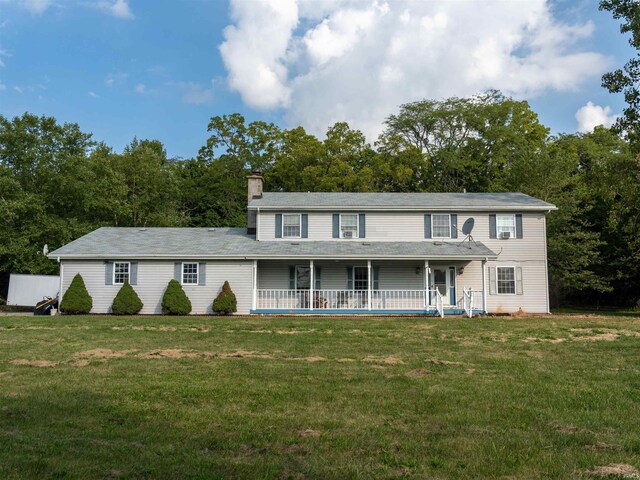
156,69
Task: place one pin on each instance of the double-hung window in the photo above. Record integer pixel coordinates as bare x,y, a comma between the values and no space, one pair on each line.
349,225
291,225
506,224
121,272
190,274
440,225
506,280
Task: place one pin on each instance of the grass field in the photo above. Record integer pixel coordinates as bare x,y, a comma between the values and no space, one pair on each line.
157,397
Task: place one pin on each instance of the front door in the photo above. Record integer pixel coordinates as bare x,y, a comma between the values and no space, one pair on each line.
440,281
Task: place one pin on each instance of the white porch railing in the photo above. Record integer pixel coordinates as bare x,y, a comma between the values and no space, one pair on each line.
470,300
439,303
348,299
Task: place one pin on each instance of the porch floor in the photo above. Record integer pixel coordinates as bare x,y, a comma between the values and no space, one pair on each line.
342,311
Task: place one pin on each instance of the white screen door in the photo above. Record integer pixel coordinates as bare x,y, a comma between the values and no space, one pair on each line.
440,282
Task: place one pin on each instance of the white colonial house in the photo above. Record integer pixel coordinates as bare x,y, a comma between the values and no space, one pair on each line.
333,253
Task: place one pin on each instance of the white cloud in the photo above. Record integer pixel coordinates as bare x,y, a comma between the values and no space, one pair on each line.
18,89
3,53
36,6
116,8
357,60
93,94
141,88
115,78
2,86
255,47
194,93
590,116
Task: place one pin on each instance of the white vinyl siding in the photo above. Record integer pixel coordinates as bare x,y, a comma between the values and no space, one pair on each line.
153,277
190,274
121,272
440,225
291,225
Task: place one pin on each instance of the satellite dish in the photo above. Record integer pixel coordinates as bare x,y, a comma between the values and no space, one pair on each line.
467,227
45,250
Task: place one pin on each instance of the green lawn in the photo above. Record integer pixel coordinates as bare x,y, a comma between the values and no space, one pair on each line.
203,397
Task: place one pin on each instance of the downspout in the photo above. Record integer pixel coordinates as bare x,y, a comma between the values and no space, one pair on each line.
61,283
546,263
258,223
484,285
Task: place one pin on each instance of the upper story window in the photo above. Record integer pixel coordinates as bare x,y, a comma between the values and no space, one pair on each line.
291,225
190,274
440,226
348,225
506,224
121,272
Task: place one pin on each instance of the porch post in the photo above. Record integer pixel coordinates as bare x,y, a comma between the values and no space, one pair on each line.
484,288
254,285
369,284
427,299
312,279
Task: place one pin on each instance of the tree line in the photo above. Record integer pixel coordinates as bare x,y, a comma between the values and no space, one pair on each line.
57,183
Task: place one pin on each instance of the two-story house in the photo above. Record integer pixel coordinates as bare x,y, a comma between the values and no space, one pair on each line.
355,253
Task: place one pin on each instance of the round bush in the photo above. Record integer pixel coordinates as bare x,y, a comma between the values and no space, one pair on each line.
127,301
225,303
76,300
175,301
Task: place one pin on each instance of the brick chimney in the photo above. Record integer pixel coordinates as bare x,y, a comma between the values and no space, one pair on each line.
254,190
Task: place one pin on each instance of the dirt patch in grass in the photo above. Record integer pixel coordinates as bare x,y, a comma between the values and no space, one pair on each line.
616,470
34,363
309,433
297,449
436,361
544,340
174,353
418,372
104,353
241,354
603,446
390,360
159,328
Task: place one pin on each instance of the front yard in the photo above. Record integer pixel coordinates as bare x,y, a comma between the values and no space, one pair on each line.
200,397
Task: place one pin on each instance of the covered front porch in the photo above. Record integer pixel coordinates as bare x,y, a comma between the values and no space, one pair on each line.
424,287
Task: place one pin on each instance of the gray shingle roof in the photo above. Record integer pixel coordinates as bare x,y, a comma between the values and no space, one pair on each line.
400,201
203,243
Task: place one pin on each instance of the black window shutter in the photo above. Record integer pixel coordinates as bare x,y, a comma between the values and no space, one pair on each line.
519,225
349,278
202,273
454,225
292,278
427,225
108,273
361,226
304,228
336,225
376,277
492,226
318,275
133,273
278,225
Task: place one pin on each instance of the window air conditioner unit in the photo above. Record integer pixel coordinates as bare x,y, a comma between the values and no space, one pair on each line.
505,235
347,234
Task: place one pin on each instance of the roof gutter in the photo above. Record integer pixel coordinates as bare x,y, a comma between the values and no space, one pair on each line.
331,208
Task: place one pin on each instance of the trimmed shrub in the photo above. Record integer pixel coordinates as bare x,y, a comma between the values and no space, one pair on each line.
175,301
225,303
76,300
127,301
